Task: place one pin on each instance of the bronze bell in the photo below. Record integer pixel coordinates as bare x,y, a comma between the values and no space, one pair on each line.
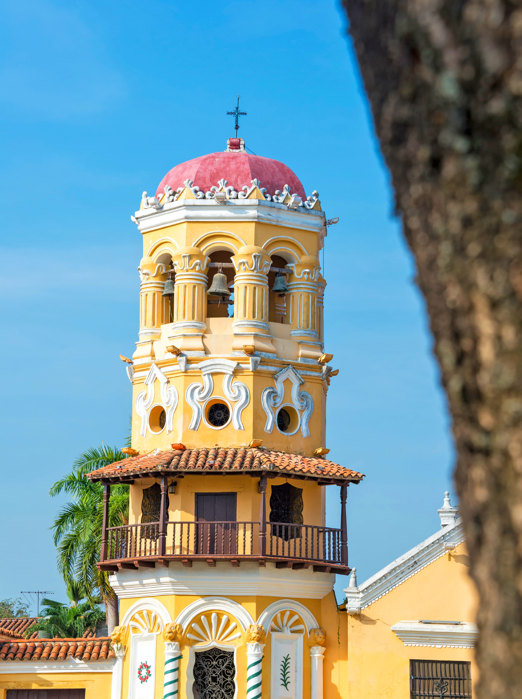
168,287
219,286
280,286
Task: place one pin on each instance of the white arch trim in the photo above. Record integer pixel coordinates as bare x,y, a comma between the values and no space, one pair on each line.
157,243
214,604
148,604
199,242
281,239
266,617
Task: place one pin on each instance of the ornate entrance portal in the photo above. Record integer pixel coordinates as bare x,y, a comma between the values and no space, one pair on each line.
214,674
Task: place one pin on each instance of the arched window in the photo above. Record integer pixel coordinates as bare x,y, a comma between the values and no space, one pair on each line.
220,305
277,280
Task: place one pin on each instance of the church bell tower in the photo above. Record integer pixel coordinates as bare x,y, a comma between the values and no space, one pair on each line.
225,569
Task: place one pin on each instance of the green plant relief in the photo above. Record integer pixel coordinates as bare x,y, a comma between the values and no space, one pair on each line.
285,671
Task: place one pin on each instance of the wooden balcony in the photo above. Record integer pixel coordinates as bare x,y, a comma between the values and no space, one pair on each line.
287,545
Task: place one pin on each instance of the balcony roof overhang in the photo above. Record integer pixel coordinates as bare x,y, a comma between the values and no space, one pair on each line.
227,461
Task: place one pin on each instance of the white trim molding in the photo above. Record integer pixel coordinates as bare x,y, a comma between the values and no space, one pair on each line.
234,210
250,580
25,667
443,634
404,567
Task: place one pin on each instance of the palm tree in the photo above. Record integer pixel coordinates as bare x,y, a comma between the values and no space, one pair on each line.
61,621
77,529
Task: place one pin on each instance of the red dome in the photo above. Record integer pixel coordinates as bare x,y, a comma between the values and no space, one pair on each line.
237,167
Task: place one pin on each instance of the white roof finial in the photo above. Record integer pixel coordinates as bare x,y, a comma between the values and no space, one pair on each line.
447,513
353,578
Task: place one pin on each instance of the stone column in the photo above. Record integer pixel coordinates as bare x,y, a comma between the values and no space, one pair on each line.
190,300
118,639
255,636
303,288
321,284
317,642
152,276
172,634
250,326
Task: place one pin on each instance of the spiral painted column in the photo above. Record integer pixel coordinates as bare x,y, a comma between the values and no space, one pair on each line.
171,675
190,299
255,636
250,326
303,291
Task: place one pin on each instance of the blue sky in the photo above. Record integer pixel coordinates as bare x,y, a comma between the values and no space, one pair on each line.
98,101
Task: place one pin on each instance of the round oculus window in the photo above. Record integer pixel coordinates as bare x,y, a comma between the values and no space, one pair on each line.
157,418
283,420
287,420
218,414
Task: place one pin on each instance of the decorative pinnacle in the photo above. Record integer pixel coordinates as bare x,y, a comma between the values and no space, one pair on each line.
236,114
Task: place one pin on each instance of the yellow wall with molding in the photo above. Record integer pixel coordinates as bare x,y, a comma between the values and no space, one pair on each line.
378,661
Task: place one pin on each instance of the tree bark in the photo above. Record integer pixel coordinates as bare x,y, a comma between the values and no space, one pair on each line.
444,81
111,611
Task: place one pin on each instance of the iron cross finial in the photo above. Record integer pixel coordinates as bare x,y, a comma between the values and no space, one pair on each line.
236,113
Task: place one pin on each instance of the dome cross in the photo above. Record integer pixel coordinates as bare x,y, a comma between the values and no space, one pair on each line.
236,113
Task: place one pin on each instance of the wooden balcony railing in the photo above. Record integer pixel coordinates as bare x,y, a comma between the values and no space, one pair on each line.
225,540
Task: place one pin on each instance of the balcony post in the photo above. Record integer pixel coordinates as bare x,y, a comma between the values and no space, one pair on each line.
344,528
105,520
262,515
163,517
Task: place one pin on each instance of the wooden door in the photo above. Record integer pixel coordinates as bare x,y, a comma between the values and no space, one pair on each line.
216,523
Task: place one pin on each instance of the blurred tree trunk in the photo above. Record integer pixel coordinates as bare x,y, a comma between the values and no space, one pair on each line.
444,81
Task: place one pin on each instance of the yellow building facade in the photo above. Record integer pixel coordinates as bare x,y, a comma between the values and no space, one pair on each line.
225,569
411,628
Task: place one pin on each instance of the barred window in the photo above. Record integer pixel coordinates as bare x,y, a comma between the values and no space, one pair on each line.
442,680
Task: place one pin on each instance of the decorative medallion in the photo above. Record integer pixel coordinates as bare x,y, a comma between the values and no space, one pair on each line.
272,397
144,672
145,399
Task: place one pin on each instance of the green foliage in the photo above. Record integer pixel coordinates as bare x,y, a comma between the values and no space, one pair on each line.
62,621
285,671
77,528
13,607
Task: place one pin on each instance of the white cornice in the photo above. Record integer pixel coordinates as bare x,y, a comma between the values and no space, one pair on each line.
442,635
9,667
402,568
243,210
248,580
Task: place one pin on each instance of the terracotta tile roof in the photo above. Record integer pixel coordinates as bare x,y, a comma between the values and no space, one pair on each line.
57,649
15,627
230,460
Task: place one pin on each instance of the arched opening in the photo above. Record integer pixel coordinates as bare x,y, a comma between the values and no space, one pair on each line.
277,285
167,296
220,292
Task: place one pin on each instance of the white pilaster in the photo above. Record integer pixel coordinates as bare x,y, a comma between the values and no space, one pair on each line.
316,662
117,671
